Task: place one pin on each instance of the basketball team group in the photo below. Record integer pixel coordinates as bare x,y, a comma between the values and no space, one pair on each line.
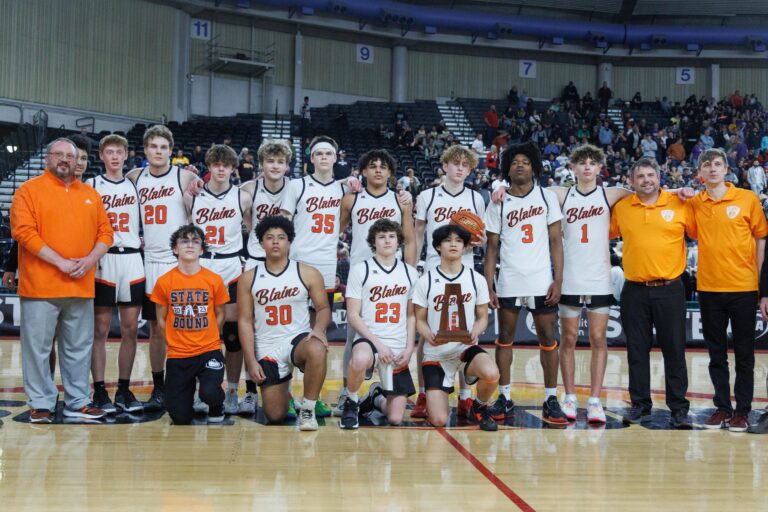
160,243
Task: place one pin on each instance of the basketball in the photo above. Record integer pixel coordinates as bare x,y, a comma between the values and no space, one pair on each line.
469,221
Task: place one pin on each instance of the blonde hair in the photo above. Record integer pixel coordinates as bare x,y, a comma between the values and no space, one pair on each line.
276,148
457,153
113,140
158,130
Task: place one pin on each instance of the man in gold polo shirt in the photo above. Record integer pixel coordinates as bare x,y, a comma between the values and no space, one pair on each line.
731,229
653,224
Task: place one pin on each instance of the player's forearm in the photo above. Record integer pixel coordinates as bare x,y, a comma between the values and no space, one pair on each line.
556,251
489,265
247,341
411,339
322,318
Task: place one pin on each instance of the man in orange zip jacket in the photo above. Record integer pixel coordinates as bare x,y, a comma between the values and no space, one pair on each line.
62,230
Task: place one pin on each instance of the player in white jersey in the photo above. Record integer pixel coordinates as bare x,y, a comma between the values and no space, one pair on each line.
362,209
273,309
161,187
434,208
380,312
267,192
526,224
119,277
443,359
220,209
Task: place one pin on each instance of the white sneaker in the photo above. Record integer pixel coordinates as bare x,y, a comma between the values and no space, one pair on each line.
595,413
230,402
338,409
307,420
249,404
570,407
199,406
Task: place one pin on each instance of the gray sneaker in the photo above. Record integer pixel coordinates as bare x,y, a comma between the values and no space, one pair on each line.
307,420
249,404
230,403
199,406
338,409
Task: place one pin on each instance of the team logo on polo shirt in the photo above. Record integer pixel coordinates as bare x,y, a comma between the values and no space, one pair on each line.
668,215
732,211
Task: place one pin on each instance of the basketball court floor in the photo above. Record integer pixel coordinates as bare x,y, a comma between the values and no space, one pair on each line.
144,463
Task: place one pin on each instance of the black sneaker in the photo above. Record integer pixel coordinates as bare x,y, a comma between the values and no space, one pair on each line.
101,401
552,413
680,420
367,404
482,416
127,402
637,414
348,419
156,401
761,427
501,408
216,414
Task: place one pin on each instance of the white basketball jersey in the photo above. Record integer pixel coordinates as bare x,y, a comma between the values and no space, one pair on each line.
265,204
436,206
121,200
522,224
429,293
586,223
162,212
316,209
366,210
383,294
280,307
221,219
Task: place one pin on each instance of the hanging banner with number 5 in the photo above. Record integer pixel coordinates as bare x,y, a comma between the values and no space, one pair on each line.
685,76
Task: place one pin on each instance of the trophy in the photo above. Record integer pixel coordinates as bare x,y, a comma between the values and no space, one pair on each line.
453,322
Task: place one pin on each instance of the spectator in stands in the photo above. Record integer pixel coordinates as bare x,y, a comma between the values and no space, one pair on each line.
551,148
637,101
676,151
706,139
385,134
491,120
604,95
227,140
501,141
479,148
513,99
241,155
400,116
410,182
133,160
605,135
737,100
420,139
492,159
342,169
246,170
180,160
56,281
649,146
198,157
696,151
342,265
587,103
666,106
738,145
756,178
570,94
306,114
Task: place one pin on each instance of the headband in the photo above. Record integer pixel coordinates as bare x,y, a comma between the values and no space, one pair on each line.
323,145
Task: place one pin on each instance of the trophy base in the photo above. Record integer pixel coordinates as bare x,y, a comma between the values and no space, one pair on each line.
443,337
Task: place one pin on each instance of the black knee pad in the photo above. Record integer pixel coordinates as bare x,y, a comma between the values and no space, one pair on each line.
231,337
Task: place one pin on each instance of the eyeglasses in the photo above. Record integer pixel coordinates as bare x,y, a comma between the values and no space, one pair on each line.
191,241
63,156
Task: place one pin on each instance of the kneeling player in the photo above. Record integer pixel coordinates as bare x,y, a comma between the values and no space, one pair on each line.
381,313
190,303
443,360
273,307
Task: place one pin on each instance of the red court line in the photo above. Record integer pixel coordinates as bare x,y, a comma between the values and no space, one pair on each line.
487,473
108,385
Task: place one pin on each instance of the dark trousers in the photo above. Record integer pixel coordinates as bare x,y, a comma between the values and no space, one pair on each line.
642,309
181,375
717,308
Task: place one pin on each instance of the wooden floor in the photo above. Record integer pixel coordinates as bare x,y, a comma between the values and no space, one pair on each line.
247,466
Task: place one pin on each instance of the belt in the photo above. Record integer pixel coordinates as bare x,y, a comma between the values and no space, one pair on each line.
657,282
220,256
123,250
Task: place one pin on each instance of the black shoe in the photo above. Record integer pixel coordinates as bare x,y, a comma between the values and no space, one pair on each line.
127,402
101,401
481,414
761,427
216,414
552,413
637,415
680,420
367,404
156,401
501,408
349,415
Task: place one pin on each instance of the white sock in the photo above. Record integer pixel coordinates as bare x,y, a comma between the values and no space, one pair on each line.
570,397
506,391
422,390
355,397
593,400
465,393
548,392
380,403
232,386
308,404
